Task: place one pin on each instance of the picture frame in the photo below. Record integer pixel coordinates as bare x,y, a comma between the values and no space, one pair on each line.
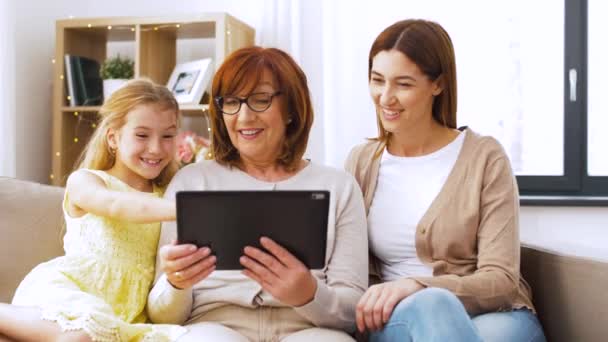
189,80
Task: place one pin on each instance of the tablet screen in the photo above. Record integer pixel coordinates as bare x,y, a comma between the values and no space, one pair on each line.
227,221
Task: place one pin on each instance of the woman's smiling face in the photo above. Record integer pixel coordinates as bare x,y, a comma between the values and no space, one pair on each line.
258,136
401,92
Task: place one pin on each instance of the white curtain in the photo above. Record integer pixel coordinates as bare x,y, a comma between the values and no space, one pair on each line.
8,125
295,26
280,26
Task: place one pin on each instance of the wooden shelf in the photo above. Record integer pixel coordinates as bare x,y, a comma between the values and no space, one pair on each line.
154,41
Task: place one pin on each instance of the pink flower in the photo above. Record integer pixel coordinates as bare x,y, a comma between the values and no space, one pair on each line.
189,146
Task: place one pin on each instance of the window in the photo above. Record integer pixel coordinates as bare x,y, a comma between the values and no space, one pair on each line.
597,107
585,168
510,82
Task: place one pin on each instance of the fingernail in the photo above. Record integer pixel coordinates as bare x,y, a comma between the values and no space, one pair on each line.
191,248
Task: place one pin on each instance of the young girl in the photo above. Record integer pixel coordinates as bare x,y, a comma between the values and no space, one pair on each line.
112,209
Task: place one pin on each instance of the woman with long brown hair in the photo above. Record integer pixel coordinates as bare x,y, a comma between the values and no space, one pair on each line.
442,205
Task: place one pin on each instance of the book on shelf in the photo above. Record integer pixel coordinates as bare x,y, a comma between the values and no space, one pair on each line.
83,82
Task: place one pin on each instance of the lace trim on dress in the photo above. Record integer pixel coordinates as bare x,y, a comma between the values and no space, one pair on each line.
98,331
105,330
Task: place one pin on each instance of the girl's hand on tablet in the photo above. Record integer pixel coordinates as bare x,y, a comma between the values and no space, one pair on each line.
280,273
185,265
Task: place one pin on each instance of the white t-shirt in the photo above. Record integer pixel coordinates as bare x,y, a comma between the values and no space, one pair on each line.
406,188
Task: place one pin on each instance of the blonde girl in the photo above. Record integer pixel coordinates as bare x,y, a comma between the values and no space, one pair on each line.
112,209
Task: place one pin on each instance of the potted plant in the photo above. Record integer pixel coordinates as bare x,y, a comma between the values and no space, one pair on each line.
115,72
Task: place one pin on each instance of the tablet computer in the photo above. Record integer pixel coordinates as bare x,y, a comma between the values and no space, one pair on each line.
227,221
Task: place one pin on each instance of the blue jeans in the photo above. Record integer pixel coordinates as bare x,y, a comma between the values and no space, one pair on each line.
435,314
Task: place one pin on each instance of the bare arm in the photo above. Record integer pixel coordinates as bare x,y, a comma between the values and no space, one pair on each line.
87,192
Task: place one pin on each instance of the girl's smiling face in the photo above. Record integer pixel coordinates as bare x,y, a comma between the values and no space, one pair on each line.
145,144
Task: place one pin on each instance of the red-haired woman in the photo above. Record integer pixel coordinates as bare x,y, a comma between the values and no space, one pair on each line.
261,118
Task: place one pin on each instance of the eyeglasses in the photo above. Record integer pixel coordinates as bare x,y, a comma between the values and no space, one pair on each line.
257,102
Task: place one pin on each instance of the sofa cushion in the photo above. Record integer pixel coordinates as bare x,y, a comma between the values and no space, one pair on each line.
569,293
31,228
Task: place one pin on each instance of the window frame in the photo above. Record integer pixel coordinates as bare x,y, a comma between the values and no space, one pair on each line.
575,187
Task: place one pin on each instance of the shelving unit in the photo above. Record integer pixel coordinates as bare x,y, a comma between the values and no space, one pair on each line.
157,44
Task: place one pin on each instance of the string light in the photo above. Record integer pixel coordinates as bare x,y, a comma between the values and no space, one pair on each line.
89,120
159,27
60,77
58,154
53,60
143,29
52,176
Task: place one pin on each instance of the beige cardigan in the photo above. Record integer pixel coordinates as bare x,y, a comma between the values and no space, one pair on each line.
470,233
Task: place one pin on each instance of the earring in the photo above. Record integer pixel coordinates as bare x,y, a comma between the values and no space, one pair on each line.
289,120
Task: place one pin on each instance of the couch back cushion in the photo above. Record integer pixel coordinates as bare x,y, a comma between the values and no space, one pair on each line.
569,294
31,226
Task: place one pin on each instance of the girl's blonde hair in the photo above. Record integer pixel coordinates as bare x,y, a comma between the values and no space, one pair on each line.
97,154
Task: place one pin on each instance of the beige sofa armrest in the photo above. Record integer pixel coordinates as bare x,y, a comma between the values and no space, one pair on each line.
569,293
31,222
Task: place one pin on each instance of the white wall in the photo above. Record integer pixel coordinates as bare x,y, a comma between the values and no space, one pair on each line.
571,230
7,90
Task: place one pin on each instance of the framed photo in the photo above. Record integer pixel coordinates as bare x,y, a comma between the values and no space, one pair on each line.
189,80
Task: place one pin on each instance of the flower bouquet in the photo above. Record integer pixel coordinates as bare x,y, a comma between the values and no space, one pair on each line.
191,148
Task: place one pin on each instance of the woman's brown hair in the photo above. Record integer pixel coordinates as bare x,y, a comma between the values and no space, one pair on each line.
240,73
429,46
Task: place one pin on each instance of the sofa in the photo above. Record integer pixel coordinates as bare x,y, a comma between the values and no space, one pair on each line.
570,292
